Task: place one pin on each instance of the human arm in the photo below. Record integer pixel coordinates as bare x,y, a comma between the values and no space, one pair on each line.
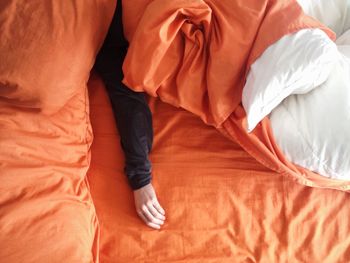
134,122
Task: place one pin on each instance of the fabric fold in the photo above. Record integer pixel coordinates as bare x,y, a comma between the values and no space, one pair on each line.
196,55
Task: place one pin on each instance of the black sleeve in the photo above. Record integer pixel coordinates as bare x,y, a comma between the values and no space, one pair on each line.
131,111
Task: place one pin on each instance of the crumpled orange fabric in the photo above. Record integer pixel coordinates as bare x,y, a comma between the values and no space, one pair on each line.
47,49
196,55
221,205
46,210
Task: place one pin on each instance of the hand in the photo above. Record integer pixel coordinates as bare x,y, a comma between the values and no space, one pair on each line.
148,208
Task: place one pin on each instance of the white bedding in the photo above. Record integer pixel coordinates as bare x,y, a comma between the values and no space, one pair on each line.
295,64
333,13
312,129
344,39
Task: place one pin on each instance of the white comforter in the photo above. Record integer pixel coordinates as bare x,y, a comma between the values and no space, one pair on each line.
312,129
333,13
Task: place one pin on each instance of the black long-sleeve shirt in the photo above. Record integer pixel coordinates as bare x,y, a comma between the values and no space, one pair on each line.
131,111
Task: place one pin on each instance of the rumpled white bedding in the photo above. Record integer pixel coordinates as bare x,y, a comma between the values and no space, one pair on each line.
313,129
333,13
296,64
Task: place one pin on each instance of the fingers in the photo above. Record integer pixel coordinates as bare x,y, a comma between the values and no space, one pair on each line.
158,207
148,208
150,224
152,218
150,215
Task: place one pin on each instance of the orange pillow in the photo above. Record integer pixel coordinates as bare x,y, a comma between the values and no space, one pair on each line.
47,48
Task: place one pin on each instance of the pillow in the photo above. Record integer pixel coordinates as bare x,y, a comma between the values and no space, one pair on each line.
47,48
295,64
313,130
335,13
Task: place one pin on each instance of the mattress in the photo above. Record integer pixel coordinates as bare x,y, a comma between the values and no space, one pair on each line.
221,204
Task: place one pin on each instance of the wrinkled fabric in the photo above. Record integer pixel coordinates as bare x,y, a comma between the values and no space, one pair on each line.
221,205
46,210
47,49
196,55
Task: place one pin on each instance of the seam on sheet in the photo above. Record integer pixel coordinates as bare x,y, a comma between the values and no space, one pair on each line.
343,29
97,232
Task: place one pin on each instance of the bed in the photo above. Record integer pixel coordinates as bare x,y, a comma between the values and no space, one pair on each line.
222,205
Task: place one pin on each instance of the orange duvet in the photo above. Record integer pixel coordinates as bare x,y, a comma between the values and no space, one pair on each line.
46,210
196,54
221,205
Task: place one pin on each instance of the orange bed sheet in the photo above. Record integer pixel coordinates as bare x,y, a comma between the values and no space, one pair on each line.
221,204
46,210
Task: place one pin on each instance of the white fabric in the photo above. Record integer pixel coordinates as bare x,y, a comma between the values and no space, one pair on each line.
333,13
313,130
344,39
295,64
312,127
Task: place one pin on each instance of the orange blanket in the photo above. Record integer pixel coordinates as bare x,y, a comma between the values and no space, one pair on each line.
196,54
222,205
46,211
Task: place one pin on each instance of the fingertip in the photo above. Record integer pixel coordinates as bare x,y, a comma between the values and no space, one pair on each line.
156,227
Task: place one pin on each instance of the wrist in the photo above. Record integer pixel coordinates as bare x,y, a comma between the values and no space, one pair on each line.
138,184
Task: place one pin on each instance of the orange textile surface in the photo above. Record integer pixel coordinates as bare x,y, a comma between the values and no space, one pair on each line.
46,211
221,204
196,54
48,47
